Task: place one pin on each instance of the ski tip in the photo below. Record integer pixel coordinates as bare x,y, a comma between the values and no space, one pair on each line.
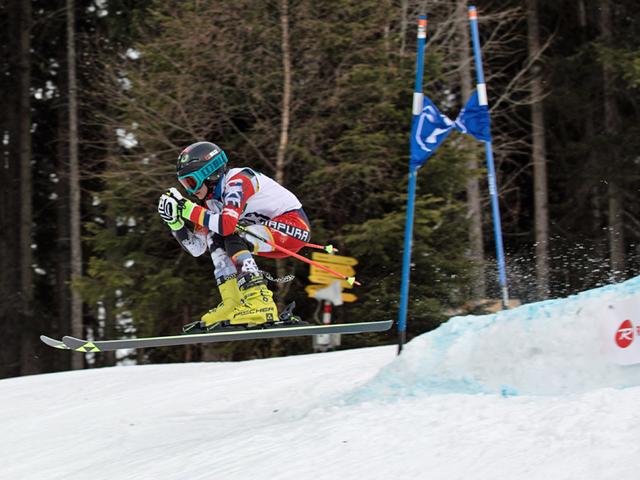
52,342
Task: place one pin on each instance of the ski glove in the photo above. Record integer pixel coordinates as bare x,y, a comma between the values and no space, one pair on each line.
173,192
169,212
193,212
185,206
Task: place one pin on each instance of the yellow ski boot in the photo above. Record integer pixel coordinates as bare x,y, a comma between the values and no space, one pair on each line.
257,306
231,298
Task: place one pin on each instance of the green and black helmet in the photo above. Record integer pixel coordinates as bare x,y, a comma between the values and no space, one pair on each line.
199,163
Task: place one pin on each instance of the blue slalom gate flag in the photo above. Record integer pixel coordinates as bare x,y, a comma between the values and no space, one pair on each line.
431,127
428,131
474,119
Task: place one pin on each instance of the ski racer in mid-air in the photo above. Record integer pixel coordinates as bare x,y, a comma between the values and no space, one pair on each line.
228,198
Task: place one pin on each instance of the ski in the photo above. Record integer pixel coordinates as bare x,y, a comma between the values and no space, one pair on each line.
81,345
52,342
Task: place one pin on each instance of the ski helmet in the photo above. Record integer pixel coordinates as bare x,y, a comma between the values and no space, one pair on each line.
199,163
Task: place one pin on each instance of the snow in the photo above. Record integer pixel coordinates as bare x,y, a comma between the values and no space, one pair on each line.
126,139
132,53
544,348
523,394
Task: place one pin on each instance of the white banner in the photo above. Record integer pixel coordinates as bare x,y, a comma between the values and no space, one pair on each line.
621,330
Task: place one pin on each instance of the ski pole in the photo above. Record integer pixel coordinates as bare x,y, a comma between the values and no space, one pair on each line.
330,249
350,280
327,248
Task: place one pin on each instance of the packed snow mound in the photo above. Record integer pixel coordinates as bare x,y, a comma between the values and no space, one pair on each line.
545,348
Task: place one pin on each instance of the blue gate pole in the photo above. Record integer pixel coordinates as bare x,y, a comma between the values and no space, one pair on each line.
493,191
411,198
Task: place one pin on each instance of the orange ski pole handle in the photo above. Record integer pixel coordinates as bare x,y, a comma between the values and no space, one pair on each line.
350,280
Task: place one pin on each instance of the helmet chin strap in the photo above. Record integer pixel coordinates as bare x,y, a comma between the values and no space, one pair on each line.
217,192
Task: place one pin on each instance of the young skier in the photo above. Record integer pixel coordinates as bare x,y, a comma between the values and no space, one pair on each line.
238,196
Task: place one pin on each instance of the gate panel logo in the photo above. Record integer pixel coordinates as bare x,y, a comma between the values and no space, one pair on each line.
625,335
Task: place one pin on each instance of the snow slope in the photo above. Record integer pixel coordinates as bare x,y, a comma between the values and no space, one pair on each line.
518,395
544,348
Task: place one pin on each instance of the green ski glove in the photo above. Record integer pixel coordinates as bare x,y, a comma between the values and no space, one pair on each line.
185,206
169,212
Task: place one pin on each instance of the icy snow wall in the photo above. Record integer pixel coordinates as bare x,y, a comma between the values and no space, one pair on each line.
547,348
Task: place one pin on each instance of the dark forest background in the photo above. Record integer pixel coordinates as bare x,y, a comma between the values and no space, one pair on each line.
99,97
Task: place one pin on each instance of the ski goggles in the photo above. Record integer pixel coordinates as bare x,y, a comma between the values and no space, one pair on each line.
194,180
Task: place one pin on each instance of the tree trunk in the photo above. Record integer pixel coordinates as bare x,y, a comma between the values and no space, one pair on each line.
612,127
474,199
286,92
284,126
10,302
74,184
404,10
616,231
29,328
590,133
62,323
110,301
540,189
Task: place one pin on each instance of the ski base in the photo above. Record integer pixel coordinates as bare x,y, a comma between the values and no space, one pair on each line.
85,346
